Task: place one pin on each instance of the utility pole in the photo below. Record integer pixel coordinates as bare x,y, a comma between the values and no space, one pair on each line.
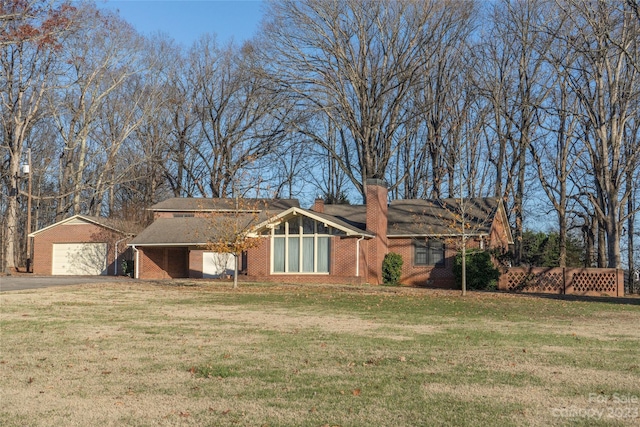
28,171
464,237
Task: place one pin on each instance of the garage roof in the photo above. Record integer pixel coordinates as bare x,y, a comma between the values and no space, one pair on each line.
122,227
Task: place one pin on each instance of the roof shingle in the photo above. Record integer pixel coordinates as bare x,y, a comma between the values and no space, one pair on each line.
418,217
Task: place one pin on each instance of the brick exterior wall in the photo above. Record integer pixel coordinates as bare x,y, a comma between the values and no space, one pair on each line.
163,214
422,275
75,233
342,266
158,215
195,263
376,201
163,263
498,236
258,259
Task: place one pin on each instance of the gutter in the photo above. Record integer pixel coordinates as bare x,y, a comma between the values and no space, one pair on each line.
406,236
133,245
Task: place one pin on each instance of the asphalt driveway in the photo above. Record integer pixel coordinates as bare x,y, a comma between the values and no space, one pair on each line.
27,281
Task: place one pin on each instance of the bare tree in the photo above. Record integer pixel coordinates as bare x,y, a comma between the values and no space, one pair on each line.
166,124
514,84
557,153
356,62
31,33
102,58
237,114
327,148
606,82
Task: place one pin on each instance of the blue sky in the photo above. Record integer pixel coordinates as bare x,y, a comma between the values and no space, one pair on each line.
186,20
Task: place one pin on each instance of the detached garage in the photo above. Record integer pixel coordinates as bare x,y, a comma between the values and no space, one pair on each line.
80,246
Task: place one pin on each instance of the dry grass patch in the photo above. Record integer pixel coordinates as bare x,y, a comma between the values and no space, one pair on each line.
196,353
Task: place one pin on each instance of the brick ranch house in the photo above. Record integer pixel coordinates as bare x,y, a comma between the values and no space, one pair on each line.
325,244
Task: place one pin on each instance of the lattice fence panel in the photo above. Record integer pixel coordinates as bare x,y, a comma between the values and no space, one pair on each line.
595,282
543,281
576,281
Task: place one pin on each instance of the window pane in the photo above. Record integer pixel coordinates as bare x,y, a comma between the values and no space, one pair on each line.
323,255
279,228
307,254
307,225
322,229
294,254
436,252
294,226
420,254
278,255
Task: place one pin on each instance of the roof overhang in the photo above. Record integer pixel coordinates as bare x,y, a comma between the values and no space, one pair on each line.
293,211
163,245
206,210
83,218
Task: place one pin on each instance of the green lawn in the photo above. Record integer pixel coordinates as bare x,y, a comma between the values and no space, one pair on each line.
200,353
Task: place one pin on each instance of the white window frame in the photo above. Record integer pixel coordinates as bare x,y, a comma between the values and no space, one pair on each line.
300,236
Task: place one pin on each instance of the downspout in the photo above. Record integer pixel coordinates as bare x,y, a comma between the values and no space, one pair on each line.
358,256
136,263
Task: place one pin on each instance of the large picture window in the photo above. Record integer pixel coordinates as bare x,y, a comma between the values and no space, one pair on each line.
429,252
300,245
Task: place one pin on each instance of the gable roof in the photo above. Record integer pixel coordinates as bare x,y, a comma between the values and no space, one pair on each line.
118,226
193,231
191,204
173,232
325,218
406,218
419,217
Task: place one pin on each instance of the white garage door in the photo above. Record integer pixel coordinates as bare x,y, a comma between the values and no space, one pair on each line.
82,259
215,265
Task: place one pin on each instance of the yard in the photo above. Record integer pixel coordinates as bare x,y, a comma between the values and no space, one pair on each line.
200,353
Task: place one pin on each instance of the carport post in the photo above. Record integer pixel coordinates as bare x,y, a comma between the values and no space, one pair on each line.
135,262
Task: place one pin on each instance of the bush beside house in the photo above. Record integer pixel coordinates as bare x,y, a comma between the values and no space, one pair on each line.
482,274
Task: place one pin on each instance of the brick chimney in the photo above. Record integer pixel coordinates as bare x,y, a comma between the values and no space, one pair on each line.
318,205
376,203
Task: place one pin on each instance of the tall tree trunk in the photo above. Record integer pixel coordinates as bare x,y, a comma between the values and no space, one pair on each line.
11,217
602,244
